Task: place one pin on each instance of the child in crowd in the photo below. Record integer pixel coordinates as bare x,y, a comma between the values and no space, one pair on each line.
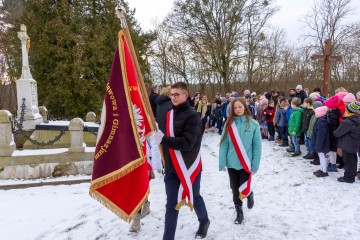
295,126
219,117
333,115
262,121
288,114
348,134
307,114
251,106
348,98
281,122
309,133
269,116
320,140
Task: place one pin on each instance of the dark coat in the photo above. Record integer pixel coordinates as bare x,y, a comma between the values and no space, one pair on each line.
290,98
164,105
348,134
302,95
153,102
307,114
320,136
188,135
333,117
280,117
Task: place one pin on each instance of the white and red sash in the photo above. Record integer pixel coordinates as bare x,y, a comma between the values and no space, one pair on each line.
245,188
186,176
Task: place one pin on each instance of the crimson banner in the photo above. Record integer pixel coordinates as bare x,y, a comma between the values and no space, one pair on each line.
120,179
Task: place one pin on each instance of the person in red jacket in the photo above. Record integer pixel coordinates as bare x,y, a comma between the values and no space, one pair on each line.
341,105
269,116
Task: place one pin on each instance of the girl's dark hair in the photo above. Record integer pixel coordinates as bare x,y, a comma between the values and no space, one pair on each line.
232,116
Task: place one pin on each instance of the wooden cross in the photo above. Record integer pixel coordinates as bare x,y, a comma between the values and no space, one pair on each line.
327,57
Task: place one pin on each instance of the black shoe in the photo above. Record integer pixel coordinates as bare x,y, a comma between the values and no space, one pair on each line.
239,215
271,139
317,172
284,144
315,162
322,174
289,150
342,179
295,154
309,156
340,165
202,231
250,201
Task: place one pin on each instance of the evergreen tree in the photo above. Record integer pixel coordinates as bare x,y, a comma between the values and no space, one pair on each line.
72,47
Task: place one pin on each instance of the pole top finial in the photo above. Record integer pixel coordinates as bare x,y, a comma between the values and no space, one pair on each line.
120,13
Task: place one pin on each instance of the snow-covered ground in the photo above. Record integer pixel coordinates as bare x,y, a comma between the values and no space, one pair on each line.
290,203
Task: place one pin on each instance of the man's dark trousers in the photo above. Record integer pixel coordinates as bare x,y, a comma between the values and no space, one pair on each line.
172,184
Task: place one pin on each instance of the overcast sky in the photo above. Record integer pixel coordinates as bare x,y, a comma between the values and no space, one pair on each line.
287,17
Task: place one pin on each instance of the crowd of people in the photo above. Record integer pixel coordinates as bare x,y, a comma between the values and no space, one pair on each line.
328,127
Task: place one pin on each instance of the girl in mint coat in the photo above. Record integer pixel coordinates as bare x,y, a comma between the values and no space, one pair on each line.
249,131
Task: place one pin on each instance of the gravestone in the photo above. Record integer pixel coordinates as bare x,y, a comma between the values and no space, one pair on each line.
26,87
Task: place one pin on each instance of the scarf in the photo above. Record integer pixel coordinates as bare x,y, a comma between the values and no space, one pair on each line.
187,176
202,109
245,188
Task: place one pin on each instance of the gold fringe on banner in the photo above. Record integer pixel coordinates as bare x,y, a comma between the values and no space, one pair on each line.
112,207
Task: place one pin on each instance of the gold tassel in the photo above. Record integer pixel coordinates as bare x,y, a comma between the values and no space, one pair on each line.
180,204
191,206
242,196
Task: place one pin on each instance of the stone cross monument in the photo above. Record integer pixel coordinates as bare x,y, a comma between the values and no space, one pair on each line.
26,88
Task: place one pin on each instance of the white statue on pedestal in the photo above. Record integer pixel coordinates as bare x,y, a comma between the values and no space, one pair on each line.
26,87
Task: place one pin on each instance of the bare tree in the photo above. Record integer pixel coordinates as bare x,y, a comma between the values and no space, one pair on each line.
326,20
212,28
257,14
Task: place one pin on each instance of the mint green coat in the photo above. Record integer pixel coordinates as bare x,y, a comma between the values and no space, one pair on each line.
251,139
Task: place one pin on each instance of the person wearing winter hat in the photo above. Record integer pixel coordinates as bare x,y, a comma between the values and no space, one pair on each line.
320,140
319,99
334,116
332,102
341,104
349,98
314,96
341,95
309,132
348,134
352,108
300,93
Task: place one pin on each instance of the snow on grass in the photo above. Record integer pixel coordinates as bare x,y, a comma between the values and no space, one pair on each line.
290,203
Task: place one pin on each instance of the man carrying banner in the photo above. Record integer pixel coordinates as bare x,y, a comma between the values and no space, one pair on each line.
240,153
182,162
